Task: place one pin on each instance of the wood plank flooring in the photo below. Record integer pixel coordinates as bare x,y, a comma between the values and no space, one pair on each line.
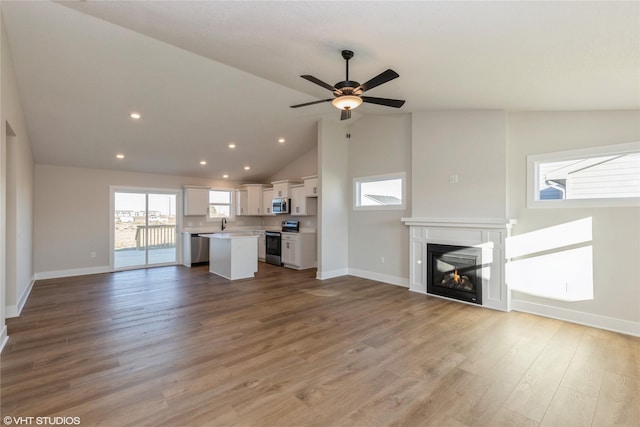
174,346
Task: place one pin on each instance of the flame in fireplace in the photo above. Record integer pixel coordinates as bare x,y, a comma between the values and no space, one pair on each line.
456,276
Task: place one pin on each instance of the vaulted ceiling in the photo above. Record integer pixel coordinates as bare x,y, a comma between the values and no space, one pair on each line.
204,74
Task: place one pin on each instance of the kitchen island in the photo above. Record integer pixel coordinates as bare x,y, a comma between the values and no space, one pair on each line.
233,255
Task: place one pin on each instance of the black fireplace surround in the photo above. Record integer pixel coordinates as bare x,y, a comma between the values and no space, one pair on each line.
454,272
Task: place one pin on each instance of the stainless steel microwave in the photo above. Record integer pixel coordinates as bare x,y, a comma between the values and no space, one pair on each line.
280,205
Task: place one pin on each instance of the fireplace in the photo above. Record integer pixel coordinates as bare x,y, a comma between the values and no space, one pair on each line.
455,272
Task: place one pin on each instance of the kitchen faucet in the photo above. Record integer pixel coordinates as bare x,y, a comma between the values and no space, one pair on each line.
224,223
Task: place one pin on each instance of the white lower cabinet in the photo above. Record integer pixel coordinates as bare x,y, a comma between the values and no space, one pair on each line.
299,250
289,251
262,247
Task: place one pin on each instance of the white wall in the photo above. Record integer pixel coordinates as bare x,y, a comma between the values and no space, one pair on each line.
18,196
379,145
469,144
3,208
615,231
72,214
305,165
333,201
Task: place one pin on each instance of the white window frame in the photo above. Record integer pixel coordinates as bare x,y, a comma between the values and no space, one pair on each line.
533,190
232,205
396,175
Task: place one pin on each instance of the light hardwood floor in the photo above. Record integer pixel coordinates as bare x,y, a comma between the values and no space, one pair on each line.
174,346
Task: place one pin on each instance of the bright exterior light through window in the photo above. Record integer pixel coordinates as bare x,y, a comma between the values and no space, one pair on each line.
380,192
600,176
220,204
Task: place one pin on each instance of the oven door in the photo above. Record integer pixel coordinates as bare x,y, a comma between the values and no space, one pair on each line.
273,241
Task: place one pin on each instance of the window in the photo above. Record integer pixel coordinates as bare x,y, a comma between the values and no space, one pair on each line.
220,204
599,176
382,192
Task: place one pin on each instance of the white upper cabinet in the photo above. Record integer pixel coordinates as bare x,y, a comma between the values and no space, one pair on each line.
300,203
267,197
250,200
196,201
310,185
241,202
282,188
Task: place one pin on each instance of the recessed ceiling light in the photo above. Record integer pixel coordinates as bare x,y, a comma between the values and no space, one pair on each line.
247,168
202,162
281,140
135,115
232,145
225,176
120,156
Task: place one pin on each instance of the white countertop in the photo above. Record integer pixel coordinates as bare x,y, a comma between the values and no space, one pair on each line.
237,235
209,230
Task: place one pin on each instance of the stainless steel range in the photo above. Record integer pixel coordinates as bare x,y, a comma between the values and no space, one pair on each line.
274,241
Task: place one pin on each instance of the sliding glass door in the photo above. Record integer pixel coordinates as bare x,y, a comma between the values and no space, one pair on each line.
143,228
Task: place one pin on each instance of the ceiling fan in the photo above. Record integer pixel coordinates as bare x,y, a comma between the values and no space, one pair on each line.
348,94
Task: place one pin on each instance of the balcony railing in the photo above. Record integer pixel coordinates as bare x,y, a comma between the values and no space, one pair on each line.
155,236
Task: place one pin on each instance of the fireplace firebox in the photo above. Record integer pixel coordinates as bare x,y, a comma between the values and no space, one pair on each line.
455,272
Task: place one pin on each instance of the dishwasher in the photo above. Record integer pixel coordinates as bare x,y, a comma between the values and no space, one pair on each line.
199,249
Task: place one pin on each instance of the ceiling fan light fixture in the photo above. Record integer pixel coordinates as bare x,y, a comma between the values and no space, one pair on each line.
347,102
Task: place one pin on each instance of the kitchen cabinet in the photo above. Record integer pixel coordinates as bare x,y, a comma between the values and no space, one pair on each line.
249,199
300,203
299,250
241,202
262,247
267,197
288,250
310,185
186,249
282,188
233,255
196,201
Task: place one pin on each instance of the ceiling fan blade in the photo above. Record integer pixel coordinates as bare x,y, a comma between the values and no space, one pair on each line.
396,103
311,103
345,114
318,82
381,78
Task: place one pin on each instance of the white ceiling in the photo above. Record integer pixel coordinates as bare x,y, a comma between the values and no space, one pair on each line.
206,73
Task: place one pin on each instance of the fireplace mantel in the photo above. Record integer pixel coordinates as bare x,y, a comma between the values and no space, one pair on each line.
481,223
490,234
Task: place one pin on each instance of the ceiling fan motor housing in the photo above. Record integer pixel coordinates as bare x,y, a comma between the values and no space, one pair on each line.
347,87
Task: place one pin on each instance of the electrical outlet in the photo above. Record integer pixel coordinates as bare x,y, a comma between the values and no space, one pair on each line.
93,254
453,179
382,259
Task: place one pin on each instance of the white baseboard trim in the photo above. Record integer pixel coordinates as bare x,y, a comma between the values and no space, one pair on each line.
384,278
73,272
3,337
594,320
15,310
324,275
